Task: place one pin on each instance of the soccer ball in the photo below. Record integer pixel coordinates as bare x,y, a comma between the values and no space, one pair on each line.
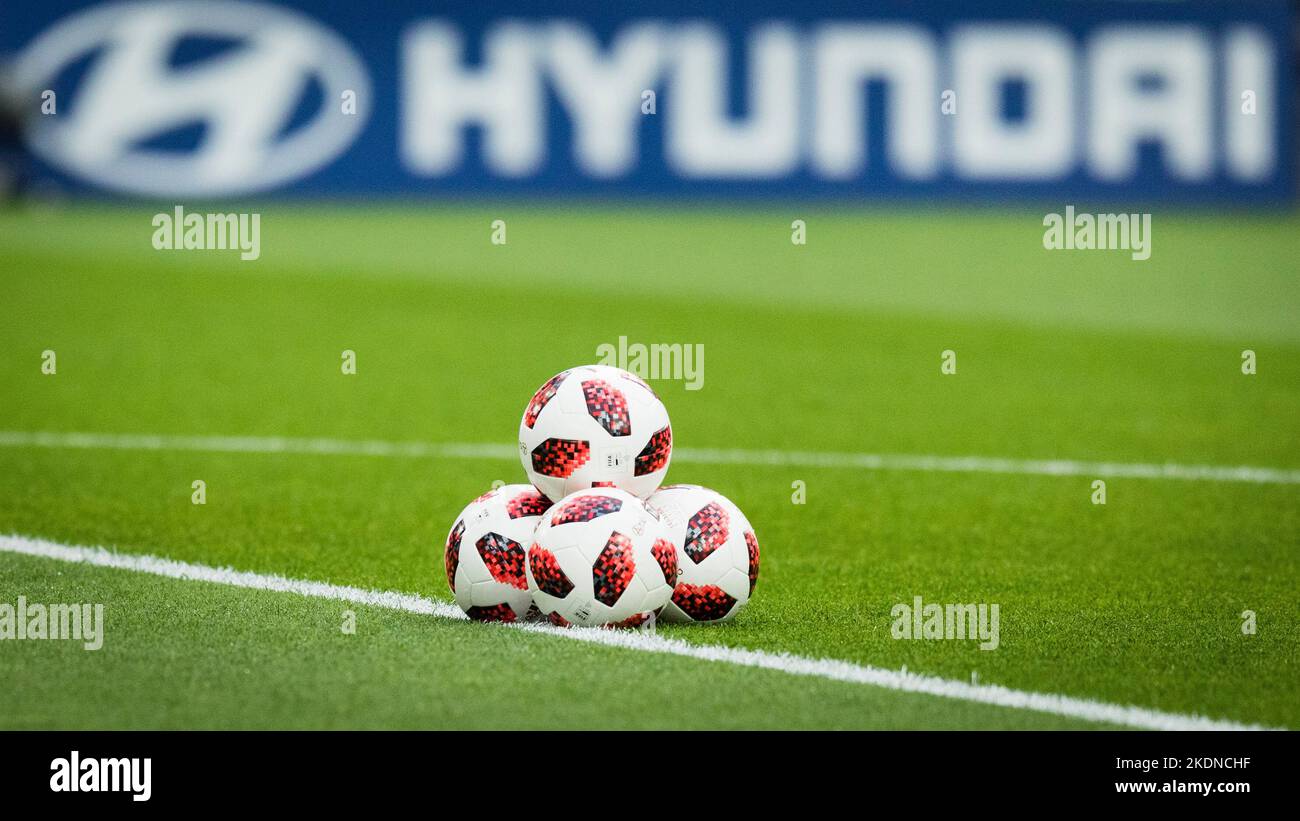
717,553
486,553
600,558
595,426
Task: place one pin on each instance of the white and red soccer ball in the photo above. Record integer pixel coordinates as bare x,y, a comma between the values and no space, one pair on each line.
717,553
486,553
599,557
595,426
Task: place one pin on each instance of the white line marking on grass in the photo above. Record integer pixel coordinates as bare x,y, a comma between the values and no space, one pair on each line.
705,456
254,444
834,670
172,569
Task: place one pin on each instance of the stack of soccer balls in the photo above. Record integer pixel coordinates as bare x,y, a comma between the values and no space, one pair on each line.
594,540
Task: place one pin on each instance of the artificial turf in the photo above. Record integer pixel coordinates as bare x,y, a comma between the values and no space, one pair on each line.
834,346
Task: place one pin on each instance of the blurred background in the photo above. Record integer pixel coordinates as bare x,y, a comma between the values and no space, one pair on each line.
1154,102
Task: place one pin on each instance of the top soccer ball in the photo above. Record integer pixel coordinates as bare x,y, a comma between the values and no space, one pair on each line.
595,426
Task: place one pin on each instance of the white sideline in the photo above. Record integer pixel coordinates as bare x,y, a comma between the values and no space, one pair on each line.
1066,706
708,456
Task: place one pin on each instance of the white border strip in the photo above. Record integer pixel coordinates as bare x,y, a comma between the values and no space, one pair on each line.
707,456
831,669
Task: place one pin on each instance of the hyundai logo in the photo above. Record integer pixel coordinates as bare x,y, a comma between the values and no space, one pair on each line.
246,101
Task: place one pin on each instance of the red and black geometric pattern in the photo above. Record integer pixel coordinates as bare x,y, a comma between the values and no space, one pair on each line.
631,621
607,406
544,394
655,453
546,571
752,542
585,508
504,559
495,612
613,569
560,457
529,503
705,532
666,555
452,557
558,620
705,602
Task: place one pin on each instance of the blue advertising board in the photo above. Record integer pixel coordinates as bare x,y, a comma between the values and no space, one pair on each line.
1156,101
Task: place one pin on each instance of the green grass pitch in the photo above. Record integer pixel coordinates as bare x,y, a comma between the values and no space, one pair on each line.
833,346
